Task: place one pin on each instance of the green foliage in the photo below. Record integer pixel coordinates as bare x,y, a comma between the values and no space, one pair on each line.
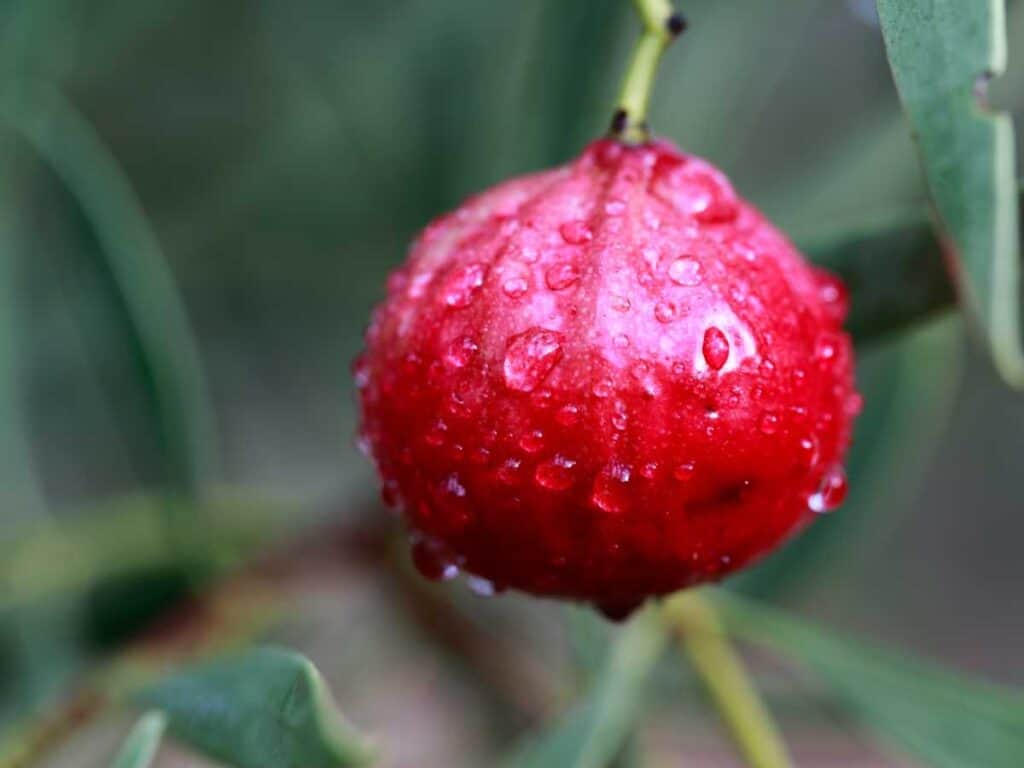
142,743
262,708
942,718
942,53
596,730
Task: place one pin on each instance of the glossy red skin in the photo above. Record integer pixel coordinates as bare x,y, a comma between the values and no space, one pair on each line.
606,381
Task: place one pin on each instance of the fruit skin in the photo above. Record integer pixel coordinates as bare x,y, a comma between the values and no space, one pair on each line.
606,381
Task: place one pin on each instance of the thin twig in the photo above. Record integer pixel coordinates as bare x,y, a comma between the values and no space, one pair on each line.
717,664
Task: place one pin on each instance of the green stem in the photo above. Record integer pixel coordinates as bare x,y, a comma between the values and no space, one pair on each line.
661,25
695,621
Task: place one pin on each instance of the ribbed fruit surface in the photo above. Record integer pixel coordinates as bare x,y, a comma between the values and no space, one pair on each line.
606,381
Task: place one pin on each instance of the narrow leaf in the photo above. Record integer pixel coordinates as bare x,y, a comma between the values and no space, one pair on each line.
135,263
142,743
894,272
596,730
942,54
263,708
946,720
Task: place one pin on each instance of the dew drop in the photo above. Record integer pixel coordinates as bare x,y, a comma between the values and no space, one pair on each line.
684,471
433,560
364,445
611,488
561,276
621,340
614,207
481,587
768,423
453,486
766,368
462,284
576,232
649,470
568,415
435,436
831,493
854,404
665,311
529,358
532,441
809,451
620,303
361,372
556,474
833,295
685,271
715,348
515,287
460,352
509,471
602,388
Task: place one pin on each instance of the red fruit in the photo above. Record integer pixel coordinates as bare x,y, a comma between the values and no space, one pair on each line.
607,381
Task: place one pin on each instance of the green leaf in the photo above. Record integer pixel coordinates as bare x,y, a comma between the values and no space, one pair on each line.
595,731
263,708
135,264
946,720
140,747
894,272
942,54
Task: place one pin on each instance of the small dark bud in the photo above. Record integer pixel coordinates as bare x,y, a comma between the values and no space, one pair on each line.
619,120
676,24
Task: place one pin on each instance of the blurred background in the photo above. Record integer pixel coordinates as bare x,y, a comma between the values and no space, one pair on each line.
200,204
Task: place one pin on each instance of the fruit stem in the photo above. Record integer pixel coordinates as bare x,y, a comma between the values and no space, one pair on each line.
694,619
661,25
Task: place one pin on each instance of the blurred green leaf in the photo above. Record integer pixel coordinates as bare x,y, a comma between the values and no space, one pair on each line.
142,743
593,733
136,264
942,54
263,708
894,273
125,537
944,719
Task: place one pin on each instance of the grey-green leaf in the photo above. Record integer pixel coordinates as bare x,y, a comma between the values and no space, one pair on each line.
942,53
142,743
946,720
263,708
596,730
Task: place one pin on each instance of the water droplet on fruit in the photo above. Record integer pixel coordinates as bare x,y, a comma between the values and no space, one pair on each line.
649,470
481,587
665,311
364,445
621,340
715,348
510,470
435,436
453,486
532,441
603,388
766,368
620,303
684,471
831,493
433,560
515,287
556,474
614,207
809,451
462,284
685,271
561,276
568,415
833,295
854,404
768,423
361,372
610,488
530,357
575,232
460,352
